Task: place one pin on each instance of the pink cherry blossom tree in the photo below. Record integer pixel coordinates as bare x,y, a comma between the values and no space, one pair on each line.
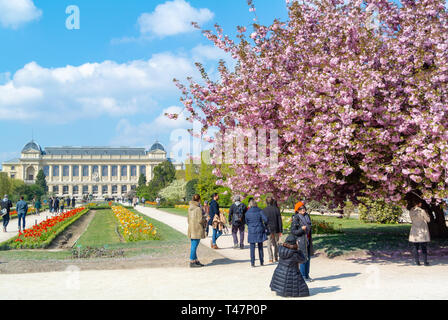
357,91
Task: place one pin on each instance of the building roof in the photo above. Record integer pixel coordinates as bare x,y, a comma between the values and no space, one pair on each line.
13,161
32,146
95,151
156,146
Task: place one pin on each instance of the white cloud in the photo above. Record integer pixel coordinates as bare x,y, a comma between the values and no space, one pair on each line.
171,18
15,13
92,89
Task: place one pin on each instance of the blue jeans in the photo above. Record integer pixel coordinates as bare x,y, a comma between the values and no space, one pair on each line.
21,218
305,267
194,248
5,220
216,235
260,252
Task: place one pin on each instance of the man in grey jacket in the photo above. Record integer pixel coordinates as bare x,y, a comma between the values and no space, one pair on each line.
22,209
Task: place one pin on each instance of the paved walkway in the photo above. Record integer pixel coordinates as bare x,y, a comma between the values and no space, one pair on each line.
232,277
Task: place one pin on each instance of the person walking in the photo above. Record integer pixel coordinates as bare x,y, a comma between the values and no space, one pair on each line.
62,204
38,206
67,202
56,205
206,212
419,235
6,206
287,281
237,214
256,227
73,202
22,209
51,204
214,221
275,225
301,228
196,229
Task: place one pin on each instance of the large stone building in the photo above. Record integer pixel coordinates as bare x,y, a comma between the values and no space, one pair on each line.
77,171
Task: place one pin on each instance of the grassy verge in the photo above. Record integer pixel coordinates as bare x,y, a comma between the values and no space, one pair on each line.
101,230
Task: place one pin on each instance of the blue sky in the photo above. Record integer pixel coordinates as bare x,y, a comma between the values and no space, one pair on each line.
108,83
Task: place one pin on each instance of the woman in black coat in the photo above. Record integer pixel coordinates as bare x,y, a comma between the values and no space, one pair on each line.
287,280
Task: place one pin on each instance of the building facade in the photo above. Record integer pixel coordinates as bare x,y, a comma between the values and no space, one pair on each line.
102,172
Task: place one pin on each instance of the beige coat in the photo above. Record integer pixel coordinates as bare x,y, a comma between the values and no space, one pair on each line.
196,221
419,230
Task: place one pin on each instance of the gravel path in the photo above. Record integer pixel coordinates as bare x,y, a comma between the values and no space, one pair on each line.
336,279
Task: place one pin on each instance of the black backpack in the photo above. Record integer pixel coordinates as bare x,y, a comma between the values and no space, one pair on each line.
238,214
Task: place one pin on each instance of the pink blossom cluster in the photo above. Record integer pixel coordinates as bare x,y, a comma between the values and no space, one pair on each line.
359,110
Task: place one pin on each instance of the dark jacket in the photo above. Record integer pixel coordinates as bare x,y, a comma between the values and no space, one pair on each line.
56,203
214,209
73,202
275,223
233,210
287,280
255,221
304,243
22,207
6,205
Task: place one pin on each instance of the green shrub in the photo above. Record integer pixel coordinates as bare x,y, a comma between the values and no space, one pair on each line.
378,211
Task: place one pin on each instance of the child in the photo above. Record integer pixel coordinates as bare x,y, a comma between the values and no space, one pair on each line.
287,280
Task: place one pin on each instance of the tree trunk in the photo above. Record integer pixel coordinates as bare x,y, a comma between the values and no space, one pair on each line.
437,226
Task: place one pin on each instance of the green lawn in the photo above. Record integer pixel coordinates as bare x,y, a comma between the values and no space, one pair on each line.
102,230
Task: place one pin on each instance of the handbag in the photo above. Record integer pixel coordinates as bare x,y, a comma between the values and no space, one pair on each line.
4,212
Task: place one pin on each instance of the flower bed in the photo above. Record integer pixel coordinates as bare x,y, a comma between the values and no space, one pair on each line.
41,235
133,227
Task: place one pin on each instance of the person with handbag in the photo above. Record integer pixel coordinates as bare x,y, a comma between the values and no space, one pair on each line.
215,218
256,227
6,206
301,228
196,229
287,281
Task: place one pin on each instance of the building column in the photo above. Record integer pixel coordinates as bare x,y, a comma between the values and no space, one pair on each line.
109,189
119,172
70,190
90,172
109,173
128,173
61,168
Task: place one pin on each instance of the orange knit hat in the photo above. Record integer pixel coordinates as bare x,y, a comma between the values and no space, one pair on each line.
298,205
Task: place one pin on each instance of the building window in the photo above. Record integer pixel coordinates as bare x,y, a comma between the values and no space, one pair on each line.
133,171
104,171
114,189
65,189
55,189
143,170
124,189
75,190
46,170
104,189
65,171
134,187
114,171
124,171
13,176
13,168
55,171
95,169
75,171
85,189
95,189
85,171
